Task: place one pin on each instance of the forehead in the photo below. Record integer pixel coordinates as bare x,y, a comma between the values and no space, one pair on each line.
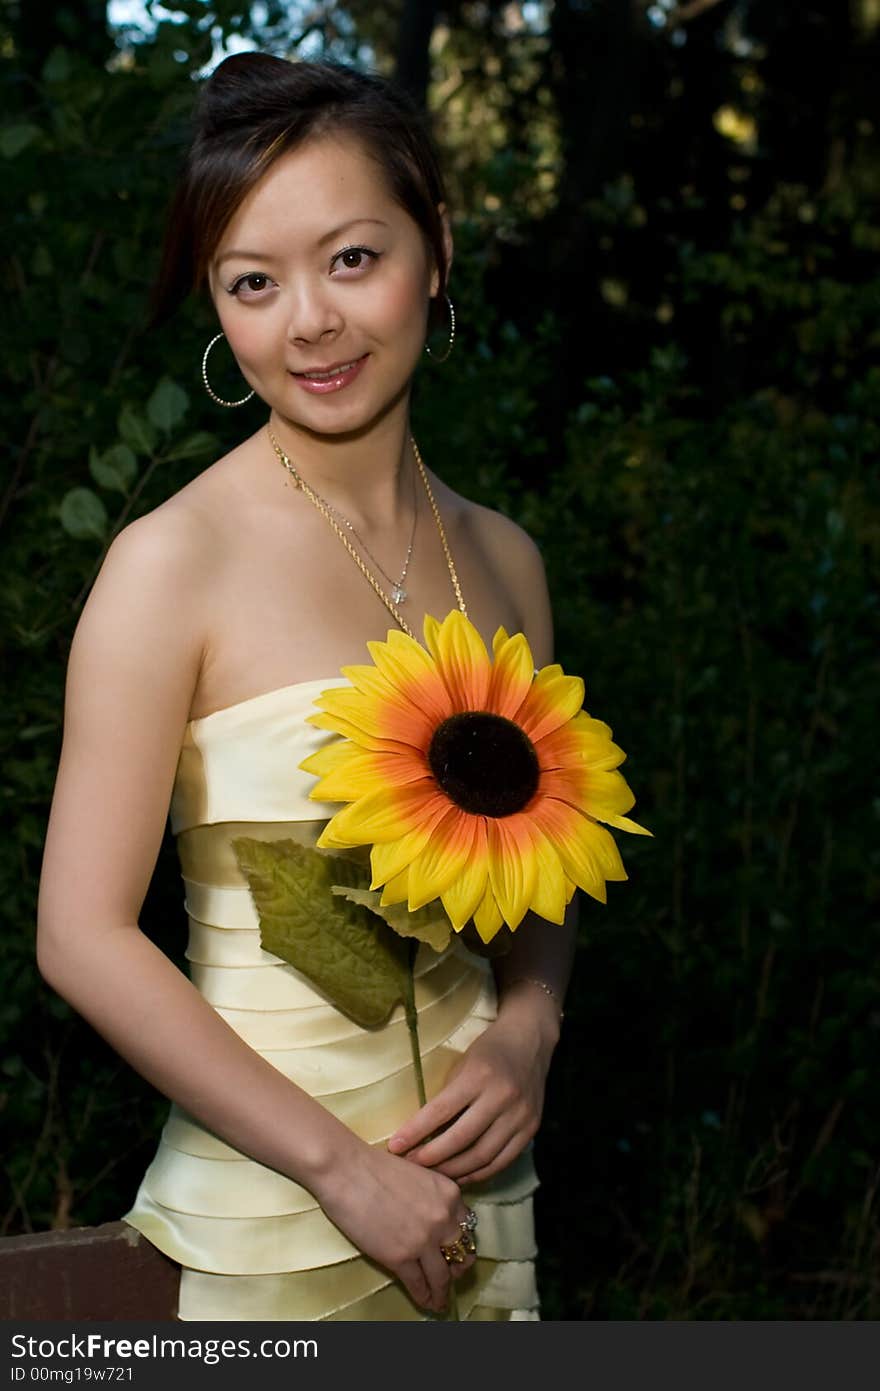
326,181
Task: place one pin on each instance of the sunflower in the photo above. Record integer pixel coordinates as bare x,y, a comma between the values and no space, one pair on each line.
477,781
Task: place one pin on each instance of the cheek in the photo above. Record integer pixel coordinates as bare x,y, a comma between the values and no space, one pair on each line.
249,335
402,304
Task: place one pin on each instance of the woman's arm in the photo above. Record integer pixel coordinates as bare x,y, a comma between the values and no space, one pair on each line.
491,1105
132,672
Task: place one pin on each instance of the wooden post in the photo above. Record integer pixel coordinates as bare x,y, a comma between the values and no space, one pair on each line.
106,1272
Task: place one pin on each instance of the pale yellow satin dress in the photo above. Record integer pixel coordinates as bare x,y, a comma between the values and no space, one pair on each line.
252,1243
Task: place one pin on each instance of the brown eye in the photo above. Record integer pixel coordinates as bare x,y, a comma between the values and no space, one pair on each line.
355,258
254,283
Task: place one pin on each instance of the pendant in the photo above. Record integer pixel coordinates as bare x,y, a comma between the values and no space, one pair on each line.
398,595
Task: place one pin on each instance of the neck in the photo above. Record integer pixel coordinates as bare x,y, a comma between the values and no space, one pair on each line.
366,476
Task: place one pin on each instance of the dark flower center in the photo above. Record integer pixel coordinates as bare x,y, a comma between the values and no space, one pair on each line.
484,763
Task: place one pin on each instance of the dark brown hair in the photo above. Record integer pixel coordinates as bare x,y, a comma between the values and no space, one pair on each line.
253,109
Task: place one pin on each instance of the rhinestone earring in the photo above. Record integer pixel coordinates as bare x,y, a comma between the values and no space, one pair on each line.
210,390
451,335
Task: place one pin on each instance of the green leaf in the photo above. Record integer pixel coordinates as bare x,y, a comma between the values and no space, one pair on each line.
429,924
116,468
200,443
347,953
83,514
14,139
168,405
136,431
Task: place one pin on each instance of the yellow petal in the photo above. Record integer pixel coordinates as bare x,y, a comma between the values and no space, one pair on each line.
623,823
512,675
339,724
462,660
376,717
383,816
582,742
412,673
552,700
396,890
487,918
463,896
367,770
552,890
588,852
443,859
513,866
498,641
389,859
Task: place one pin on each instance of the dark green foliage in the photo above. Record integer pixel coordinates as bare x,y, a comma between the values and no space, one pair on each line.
710,518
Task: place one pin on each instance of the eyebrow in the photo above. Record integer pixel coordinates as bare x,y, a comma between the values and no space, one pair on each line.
322,241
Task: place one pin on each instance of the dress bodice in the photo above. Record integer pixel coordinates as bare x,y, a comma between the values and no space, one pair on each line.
251,1241
241,763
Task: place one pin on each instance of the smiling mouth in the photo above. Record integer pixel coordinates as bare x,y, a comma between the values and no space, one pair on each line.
330,372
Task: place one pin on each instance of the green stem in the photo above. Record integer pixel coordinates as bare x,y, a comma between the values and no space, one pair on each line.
412,1023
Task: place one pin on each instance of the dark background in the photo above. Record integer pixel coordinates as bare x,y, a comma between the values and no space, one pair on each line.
667,292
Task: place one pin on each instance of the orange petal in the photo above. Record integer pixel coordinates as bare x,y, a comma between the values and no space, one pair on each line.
553,699
462,660
512,674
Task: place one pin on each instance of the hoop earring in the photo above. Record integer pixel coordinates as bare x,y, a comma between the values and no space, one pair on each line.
451,334
210,390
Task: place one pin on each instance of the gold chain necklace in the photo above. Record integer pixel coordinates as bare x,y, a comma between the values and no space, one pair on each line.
324,508
398,592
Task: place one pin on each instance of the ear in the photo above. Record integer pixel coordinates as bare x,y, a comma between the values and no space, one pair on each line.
448,247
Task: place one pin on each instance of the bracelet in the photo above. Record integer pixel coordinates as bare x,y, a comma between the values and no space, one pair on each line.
542,985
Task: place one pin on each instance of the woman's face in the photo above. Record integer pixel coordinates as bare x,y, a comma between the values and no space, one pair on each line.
318,269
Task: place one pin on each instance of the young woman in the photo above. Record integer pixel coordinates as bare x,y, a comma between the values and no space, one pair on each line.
297,1177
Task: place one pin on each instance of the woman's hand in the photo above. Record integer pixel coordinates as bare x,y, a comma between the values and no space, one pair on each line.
490,1108
398,1215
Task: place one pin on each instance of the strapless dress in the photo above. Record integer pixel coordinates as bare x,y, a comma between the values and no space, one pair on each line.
252,1243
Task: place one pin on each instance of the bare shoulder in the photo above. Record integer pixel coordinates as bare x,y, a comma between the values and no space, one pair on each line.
514,558
145,618
170,555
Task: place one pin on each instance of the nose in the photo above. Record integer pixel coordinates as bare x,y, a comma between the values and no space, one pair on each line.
313,314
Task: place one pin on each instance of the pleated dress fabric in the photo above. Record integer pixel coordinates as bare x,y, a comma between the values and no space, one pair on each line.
252,1243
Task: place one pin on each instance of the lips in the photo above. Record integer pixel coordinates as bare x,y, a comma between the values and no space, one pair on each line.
325,373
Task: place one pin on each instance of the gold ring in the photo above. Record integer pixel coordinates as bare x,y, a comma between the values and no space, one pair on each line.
455,1253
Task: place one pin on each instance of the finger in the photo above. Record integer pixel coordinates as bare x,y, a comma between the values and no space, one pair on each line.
415,1282
512,1150
477,1156
456,1138
440,1110
437,1274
